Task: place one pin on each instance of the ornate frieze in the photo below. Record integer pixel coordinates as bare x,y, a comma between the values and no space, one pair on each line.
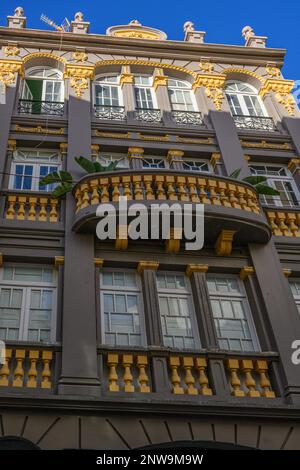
282,90
80,76
214,85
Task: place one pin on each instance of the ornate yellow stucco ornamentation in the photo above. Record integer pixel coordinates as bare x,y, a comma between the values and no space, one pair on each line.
283,89
273,71
223,246
265,145
8,68
126,77
159,80
129,33
206,66
80,56
214,85
40,130
147,63
243,71
79,77
11,51
47,55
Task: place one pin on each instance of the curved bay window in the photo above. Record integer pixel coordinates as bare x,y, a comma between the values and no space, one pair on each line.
183,102
108,102
30,166
145,101
280,179
43,92
247,107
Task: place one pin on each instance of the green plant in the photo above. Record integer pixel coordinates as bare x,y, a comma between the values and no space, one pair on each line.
258,182
64,179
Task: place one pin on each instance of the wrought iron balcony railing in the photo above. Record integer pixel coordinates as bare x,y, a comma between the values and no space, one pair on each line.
257,123
148,114
187,117
112,113
53,108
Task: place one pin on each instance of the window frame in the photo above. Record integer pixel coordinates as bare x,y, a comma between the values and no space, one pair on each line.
122,289
246,306
177,293
27,287
242,103
189,89
44,81
148,86
115,85
296,297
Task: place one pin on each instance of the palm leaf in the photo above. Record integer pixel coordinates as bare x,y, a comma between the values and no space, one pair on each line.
61,190
56,177
254,180
86,164
266,190
235,174
98,167
112,166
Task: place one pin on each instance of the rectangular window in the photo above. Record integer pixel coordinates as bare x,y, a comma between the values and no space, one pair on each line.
178,321
143,92
30,166
196,165
27,303
231,312
122,310
154,162
295,286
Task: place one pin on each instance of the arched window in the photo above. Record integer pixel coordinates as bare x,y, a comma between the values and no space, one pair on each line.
181,96
244,100
108,98
43,91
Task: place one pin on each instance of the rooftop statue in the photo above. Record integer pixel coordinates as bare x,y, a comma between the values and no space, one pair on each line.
19,12
188,26
248,32
78,17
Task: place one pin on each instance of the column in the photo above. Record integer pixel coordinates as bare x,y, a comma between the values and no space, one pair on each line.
79,374
127,87
160,86
135,155
283,316
174,158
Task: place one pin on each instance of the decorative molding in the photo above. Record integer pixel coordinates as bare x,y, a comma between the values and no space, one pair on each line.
113,135
245,272
12,51
265,145
196,268
80,76
214,159
98,262
63,147
8,68
173,243
122,237
273,71
135,152
175,155
47,55
126,77
206,66
95,148
154,138
40,130
59,261
188,140
247,158
11,145
287,272
282,90
147,265
213,85
223,246
80,56
160,80
1,259
243,71
294,165
129,33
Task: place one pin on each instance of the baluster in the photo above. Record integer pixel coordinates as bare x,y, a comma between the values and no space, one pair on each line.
201,365
115,181
181,185
255,207
160,191
222,187
112,362
95,197
188,363
275,229
232,196
53,216
128,377
32,373
298,220
32,208
249,198
19,371
4,371
85,195
126,181
10,213
280,218
202,191
175,379
262,368
291,219
138,192
21,211
143,379
212,185
241,193
233,367
78,197
171,193
247,367
46,372
148,187
104,185
43,201
191,181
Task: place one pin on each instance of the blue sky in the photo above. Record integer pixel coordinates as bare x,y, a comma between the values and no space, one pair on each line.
222,20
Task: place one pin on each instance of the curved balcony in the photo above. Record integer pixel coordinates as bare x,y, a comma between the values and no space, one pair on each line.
229,205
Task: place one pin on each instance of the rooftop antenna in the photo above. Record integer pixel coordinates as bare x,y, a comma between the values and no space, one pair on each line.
65,25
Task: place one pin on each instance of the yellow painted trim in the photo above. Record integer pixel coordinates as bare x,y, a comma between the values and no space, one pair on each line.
47,55
244,72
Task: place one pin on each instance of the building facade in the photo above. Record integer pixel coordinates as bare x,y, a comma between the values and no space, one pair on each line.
123,344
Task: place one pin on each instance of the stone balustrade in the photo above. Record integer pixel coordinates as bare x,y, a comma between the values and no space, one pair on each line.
249,378
35,208
284,223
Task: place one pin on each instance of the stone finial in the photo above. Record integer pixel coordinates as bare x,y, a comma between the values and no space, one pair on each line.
79,26
18,20
135,22
78,17
251,40
190,35
188,26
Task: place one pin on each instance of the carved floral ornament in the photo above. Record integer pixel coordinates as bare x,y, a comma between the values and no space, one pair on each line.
11,51
214,85
8,69
282,90
80,77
